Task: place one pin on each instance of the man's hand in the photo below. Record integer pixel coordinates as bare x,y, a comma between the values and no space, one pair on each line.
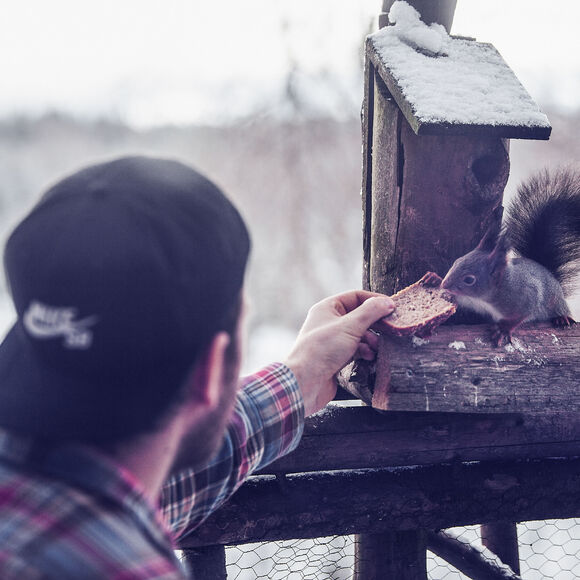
335,331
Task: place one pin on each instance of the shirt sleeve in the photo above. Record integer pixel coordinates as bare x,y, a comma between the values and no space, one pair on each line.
267,423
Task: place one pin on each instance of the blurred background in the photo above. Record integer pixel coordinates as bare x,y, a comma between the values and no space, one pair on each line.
264,97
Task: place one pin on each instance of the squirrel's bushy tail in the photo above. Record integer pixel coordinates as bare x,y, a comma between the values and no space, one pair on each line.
543,222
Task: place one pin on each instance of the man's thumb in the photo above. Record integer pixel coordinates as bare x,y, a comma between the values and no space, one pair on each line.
370,311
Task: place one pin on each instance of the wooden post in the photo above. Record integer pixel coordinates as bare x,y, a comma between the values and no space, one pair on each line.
206,562
398,555
467,559
426,201
440,11
381,129
502,539
392,555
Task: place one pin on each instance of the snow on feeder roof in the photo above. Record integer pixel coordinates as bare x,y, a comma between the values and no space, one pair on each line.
451,85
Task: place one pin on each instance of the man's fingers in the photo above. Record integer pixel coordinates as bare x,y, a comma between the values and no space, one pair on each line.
371,338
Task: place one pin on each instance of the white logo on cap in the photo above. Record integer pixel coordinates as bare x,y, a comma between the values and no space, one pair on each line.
43,321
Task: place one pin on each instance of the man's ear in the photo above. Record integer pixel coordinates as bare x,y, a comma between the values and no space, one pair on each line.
206,381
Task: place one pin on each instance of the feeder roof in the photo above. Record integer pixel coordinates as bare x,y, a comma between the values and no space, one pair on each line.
451,85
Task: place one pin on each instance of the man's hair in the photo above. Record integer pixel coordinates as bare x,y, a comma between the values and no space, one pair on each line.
121,275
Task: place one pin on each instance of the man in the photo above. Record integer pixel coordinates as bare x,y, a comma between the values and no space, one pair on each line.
121,423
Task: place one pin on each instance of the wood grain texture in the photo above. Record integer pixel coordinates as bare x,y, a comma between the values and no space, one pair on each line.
380,500
362,437
398,554
367,115
383,199
458,370
450,187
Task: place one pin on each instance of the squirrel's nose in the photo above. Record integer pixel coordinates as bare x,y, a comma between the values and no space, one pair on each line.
446,284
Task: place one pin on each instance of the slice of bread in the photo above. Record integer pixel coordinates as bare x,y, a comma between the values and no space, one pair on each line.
419,309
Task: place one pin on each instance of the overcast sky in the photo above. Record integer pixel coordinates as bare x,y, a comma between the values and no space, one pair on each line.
154,61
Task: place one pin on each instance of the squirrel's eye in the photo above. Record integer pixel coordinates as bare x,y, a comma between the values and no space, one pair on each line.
469,280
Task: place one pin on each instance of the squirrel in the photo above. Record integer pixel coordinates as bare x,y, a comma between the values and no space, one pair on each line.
542,229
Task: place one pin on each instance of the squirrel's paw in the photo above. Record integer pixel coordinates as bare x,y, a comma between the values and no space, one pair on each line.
501,336
431,280
502,331
563,321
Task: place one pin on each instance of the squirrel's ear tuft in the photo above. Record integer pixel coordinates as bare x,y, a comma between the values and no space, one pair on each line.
498,257
491,237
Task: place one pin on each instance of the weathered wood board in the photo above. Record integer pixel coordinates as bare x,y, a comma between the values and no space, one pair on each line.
360,437
466,468
459,370
377,500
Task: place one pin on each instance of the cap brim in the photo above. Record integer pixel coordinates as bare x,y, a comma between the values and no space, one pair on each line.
31,397
39,401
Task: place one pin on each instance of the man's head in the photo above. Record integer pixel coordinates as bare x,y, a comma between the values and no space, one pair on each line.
121,276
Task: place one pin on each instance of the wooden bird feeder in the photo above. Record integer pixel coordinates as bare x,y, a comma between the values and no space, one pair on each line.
436,161
438,115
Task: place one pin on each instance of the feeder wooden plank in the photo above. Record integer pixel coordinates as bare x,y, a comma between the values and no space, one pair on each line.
362,437
380,500
459,370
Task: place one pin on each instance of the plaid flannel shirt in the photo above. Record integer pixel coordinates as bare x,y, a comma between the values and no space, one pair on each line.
72,513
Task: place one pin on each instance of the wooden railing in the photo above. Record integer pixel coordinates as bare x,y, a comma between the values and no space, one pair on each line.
397,474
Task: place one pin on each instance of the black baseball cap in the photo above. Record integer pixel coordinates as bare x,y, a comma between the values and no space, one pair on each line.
120,276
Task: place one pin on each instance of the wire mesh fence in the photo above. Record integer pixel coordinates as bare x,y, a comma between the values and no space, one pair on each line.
548,549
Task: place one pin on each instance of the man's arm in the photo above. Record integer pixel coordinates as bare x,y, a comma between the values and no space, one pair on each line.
269,416
267,423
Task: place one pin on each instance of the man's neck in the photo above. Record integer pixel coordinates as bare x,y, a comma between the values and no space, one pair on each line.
149,458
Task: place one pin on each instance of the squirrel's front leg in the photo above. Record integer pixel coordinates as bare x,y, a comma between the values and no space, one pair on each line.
502,333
